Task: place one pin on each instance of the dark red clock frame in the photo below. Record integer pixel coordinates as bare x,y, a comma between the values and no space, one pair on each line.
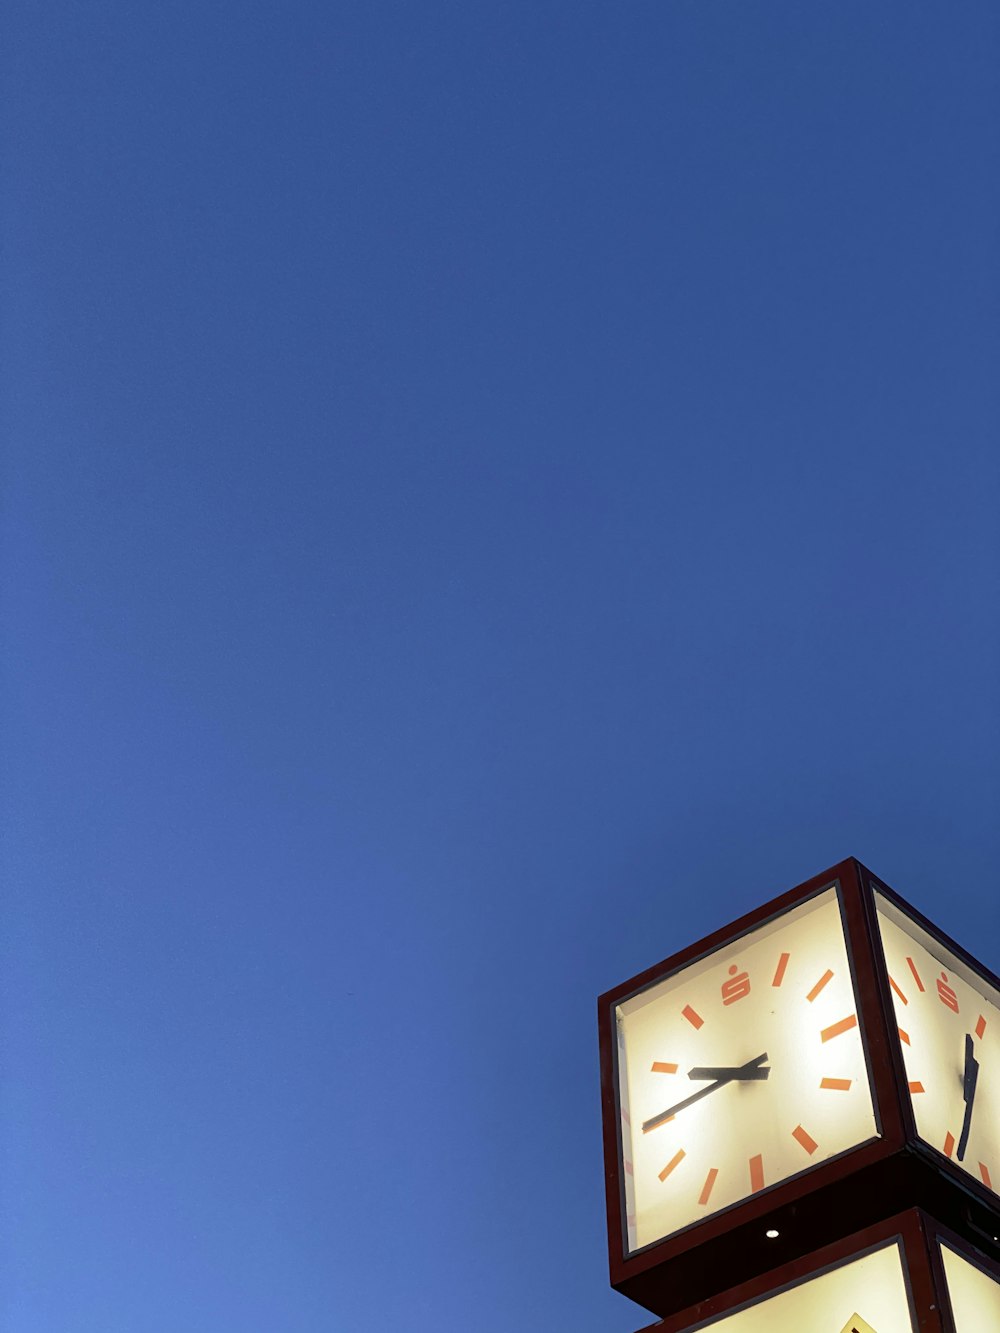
927,1287
824,1203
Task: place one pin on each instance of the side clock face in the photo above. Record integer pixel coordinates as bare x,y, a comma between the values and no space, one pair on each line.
948,1019
740,1070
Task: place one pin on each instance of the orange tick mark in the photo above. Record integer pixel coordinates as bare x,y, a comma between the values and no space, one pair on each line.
836,1084
898,991
779,971
916,975
903,1036
706,1189
806,1139
984,1171
980,1027
695,1019
949,1144
674,1161
827,976
915,1087
660,1067
757,1173
836,1029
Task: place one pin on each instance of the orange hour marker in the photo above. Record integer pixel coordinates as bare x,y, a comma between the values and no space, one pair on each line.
706,1189
915,1087
660,1067
694,1018
949,1144
836,1084
628,1169
779,971
916,975
984,1171
674,1161
827,976
903,1036
898,991
757,1173
805,1139
836,1029
980,1027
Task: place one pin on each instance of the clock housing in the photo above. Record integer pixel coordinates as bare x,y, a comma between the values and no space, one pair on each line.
706,1154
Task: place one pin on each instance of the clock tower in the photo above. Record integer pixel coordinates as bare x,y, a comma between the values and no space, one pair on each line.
814,1084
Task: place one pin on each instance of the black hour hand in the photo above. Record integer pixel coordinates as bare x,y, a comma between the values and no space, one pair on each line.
753,1071
719,1078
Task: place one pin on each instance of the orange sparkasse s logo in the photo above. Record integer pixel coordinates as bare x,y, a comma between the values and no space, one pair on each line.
736,987
946,993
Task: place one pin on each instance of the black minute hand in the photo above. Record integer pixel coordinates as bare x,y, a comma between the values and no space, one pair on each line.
753,1070
968,1095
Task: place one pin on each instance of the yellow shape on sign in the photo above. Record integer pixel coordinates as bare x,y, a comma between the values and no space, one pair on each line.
857,1325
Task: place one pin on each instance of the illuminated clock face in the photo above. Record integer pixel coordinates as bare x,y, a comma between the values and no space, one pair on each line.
739,1071
949,1029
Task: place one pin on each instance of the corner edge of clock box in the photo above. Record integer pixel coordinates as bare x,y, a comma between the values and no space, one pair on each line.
672,1276
872,883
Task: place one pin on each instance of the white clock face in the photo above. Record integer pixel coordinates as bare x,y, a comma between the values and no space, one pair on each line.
866,1295
740,1070
949,1031
974,1295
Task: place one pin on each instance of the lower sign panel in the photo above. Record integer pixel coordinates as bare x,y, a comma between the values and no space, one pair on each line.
865,1295
974,1295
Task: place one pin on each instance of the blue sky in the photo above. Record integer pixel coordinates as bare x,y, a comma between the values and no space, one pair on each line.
492,492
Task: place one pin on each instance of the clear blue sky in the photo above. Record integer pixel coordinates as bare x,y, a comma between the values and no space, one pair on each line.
493,492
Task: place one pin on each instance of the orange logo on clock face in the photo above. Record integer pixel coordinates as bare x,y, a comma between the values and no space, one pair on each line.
737,987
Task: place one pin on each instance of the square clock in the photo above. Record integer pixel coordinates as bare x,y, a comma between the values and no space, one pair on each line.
904,1275
823,1063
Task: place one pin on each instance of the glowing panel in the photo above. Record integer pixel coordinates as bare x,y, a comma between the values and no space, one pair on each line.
867,1295
974,1294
